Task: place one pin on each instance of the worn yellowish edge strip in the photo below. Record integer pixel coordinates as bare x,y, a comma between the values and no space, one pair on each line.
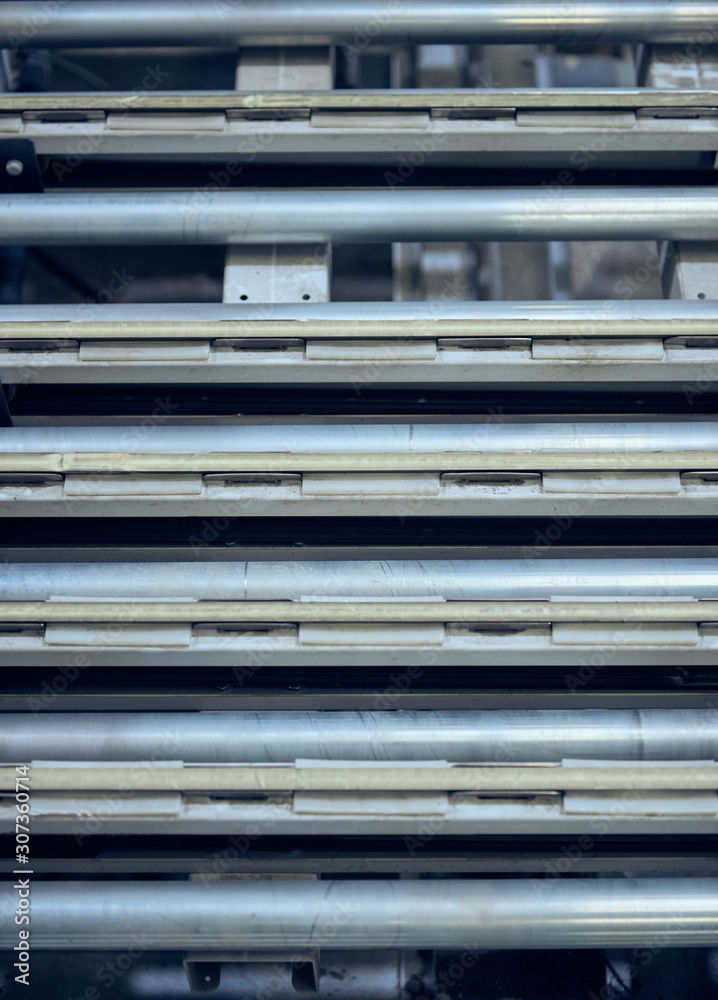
443,461
284,778
355,100
359,612
339,329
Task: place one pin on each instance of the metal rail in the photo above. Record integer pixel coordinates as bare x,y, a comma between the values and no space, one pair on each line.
499,914
361,462
340,777
511,99
352,22
340,320
360,612
279,737
359,216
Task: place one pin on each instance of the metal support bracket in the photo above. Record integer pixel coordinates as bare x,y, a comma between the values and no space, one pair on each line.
204,969
19,167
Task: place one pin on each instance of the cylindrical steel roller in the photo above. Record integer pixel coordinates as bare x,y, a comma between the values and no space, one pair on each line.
359,216
499,914
352,22
538,439
471,579
277,737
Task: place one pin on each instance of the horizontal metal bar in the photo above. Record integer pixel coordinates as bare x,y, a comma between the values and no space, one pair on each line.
366,814
626,316
279,737
360,611
433,857
504,99
77,698
359,216
232,462
364,579
363,447
482,778
475,651
353,22
270,365
513,816
570,913
281,497
587,326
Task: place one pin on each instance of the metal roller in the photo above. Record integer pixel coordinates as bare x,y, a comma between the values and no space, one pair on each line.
359,216
357,22
497,914
475,579
356,439
277,737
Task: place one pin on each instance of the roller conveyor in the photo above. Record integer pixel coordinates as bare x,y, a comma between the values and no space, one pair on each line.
408,663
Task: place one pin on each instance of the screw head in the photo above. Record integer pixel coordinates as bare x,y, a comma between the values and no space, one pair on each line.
14,167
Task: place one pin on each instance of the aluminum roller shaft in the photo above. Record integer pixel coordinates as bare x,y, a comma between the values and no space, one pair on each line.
279,737
353,22
499,914
359,216
472,579
356,439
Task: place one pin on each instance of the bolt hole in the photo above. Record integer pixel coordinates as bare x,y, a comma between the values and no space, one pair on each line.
305,297
244,297
701,295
